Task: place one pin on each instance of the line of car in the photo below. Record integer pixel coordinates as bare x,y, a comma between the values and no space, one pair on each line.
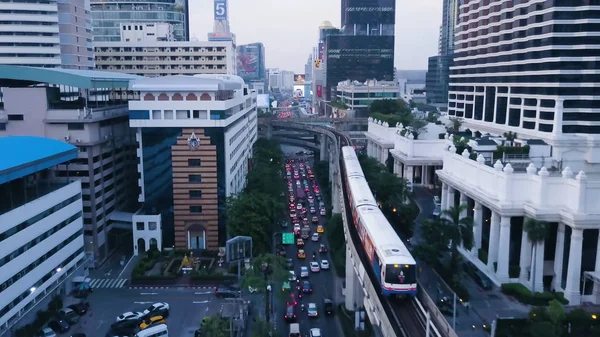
304,212
65,319
134,323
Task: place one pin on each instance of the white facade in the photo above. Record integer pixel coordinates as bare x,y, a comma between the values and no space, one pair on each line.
165,58
38,258
413,159
197,104
147,232
238,139
359,96
141,31
30,33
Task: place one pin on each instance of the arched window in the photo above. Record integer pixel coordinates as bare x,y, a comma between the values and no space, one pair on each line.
149,97
205,97
163,97
191,97
177,97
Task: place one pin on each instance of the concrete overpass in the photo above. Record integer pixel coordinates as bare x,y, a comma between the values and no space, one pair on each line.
362,288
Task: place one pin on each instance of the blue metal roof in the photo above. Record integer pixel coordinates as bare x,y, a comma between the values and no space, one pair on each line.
24,155
84,79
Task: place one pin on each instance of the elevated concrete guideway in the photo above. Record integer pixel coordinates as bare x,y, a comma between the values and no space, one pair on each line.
361,291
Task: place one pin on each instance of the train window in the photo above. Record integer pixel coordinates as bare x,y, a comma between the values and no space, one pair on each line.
400,274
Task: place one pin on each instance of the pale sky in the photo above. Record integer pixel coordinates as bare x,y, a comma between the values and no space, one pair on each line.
289,29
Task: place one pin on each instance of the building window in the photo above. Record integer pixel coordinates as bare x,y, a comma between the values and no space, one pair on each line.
194,162
139,226
152,226
177,97
195,178
195,194
196,209
15,117
75,126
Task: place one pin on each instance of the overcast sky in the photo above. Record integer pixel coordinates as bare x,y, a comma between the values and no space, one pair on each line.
289,29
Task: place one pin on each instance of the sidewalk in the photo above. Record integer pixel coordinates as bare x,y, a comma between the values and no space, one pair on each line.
484,306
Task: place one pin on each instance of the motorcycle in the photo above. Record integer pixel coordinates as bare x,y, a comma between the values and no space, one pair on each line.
302,307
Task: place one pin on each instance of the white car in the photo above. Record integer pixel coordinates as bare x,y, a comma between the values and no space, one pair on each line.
315,332
299,206
314,267
158,306
315,237
312,310
323,212
324,264
292,276
303,272
47,332
130,315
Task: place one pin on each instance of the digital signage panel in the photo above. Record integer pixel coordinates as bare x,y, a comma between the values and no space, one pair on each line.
299,78
248,62
358,58
368,12
262,101
220,9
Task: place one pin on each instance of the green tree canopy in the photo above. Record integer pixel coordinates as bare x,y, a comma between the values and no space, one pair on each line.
255,210
262,328
389,107
215,326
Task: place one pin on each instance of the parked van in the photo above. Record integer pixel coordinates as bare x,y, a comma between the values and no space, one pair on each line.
295,330
159,330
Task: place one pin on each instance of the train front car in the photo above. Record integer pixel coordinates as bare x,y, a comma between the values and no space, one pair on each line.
391,261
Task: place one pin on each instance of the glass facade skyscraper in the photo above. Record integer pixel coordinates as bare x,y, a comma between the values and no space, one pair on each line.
108,15
364,47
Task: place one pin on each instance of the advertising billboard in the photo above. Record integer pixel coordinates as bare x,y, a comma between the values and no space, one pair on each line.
298,90
369,11
299,78
248,62
220,9
262,101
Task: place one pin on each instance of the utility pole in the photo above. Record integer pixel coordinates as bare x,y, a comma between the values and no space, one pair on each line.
454,314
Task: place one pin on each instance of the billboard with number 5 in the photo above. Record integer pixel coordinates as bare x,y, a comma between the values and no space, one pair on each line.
220,9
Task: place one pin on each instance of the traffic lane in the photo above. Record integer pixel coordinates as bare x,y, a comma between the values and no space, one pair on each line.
322,284
188,307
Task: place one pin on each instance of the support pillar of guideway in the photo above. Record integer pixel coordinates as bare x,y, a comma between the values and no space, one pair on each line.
324,148
354,296
336,206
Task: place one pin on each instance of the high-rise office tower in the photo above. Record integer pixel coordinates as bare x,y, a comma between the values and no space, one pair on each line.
107,16
48,34
438,66
529,67
364,47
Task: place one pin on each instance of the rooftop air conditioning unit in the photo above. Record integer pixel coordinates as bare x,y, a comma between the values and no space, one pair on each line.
67,138
78,141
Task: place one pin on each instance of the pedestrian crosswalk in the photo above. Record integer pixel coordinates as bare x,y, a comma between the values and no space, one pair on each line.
108,282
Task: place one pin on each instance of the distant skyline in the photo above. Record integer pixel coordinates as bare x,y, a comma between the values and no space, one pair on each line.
289,29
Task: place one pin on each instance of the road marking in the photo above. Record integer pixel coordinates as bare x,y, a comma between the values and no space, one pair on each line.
204,293
201,302
142,302
109,272
148,293
125,267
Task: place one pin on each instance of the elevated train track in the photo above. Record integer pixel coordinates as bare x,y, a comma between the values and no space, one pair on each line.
389,316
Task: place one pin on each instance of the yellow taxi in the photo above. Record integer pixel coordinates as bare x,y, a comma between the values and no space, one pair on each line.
299,242
152,321
301,254
320,229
